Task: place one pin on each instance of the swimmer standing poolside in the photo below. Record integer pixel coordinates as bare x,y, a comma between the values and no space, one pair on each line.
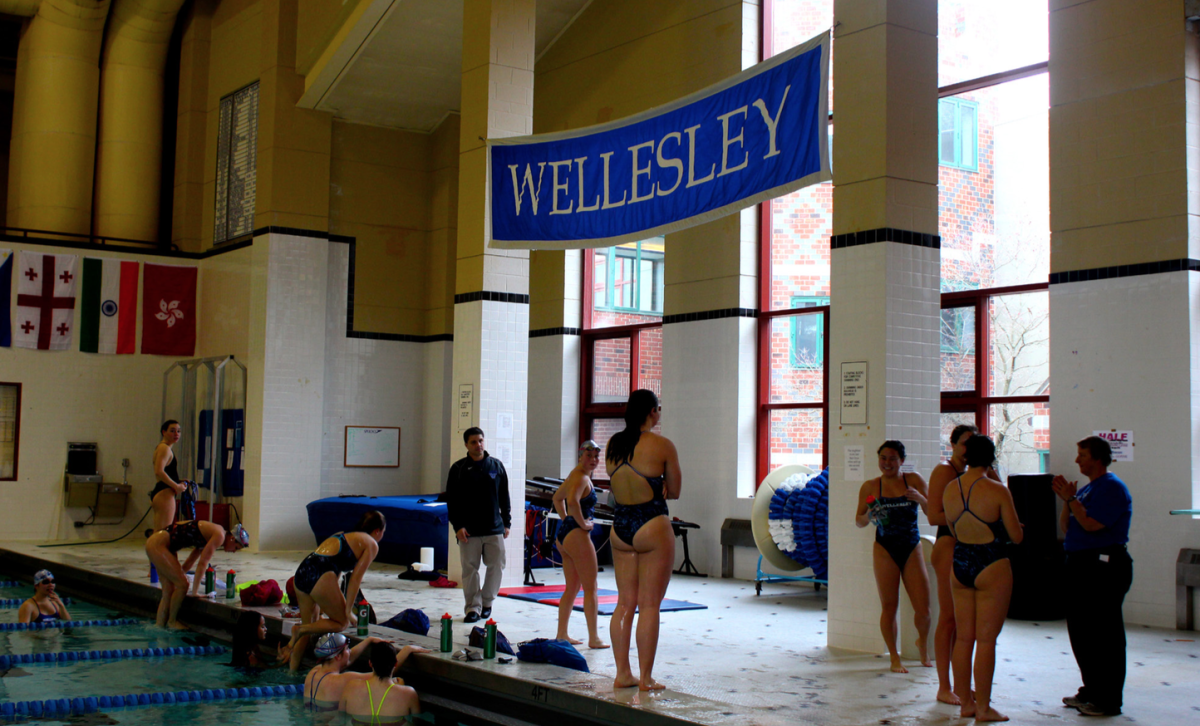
379,698
45,606
644,472
574,501
168,485
897,555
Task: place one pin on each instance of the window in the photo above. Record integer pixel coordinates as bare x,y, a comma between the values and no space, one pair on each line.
629,277
958,133
237,145
808,334
10,429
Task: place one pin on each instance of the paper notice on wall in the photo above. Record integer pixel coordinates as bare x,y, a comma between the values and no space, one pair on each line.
855,456
854,393
504,453
1120,441
504,425
466,406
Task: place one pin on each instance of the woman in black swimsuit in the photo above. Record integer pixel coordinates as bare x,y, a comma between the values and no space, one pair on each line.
317,586
981,514
168,486
891,502
45,606
163,550
643,469
575,500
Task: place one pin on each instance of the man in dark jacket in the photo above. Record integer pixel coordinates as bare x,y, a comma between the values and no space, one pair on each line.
477,502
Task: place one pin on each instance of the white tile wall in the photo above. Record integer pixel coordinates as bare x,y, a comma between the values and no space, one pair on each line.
553,404
1125,350
885,310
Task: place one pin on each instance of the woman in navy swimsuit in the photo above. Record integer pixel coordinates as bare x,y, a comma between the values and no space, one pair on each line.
891,503
317,586
982,518
45,606
166,472
575,500
643,469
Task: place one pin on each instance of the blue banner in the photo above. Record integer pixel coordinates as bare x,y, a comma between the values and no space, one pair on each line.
758,135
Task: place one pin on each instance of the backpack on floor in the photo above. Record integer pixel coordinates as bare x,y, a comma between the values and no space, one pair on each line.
554,652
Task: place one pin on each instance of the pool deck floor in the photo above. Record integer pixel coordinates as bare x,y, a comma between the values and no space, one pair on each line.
754,660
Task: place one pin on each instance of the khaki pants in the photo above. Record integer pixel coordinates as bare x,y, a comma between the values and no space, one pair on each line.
489,549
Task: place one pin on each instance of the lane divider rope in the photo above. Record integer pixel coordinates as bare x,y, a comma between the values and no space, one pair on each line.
12,583
51,707
68,624
15,602
8,661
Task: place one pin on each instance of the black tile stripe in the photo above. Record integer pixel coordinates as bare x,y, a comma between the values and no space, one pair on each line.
360,334
885,234
546,332
1144,268
505,297
710,315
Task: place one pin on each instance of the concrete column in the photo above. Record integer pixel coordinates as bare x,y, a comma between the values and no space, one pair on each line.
555,310
1124,282
885,275
491,310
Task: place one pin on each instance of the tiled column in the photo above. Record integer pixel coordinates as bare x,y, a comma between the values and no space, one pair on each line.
491,310
885,275
555,310
1125,278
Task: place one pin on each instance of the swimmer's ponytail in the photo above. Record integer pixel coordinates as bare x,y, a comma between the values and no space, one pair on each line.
641,404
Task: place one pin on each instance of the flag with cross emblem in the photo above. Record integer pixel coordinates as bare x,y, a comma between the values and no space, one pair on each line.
6,265
45,316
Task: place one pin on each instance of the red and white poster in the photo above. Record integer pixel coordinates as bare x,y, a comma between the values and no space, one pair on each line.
168,310
45,316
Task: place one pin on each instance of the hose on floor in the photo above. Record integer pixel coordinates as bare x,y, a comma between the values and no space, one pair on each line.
102,541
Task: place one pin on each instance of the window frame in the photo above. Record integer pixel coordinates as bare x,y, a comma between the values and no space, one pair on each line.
16,433
610,272
225,157
798,304
958,104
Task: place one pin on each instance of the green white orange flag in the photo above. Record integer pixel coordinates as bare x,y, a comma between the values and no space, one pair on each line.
109,307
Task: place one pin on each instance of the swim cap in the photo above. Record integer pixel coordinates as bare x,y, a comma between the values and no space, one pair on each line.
330,645
240,535
589,445
42,576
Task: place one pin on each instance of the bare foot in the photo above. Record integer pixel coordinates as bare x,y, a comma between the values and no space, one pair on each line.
897,667
949,697
571,640
990,714
176,626
597,644
625,682
968,709
925,662
653,686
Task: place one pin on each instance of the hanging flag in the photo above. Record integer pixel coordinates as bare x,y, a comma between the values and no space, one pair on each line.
169,310
45,301
108,311
5,298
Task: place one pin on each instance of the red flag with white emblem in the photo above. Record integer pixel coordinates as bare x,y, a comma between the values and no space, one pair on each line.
168,310
45,316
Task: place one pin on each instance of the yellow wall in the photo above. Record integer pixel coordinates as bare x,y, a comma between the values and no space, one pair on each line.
622,57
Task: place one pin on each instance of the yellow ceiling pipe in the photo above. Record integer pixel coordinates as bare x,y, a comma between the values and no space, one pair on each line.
53,149
129,153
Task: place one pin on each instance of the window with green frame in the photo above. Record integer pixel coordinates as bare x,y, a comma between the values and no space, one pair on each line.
1044,460
957,323
629,277
808,334
958,133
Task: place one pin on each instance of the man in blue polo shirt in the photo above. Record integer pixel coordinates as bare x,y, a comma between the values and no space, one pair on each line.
1099,572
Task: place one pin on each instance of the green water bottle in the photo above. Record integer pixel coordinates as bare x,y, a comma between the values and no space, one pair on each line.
230,586
447,633
210,580
489,640
363,620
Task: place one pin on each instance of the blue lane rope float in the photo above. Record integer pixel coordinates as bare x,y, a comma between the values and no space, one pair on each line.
8,661
53,624
9,603
13,583
90,704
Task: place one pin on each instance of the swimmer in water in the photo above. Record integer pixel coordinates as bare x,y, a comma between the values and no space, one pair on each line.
45,606
324,684
380,698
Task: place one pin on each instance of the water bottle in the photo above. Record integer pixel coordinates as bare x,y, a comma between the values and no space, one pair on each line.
447,633
489,640
230,587
363,620
210,580
153,574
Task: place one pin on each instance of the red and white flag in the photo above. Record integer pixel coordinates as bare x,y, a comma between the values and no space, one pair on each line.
168,310
45,301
